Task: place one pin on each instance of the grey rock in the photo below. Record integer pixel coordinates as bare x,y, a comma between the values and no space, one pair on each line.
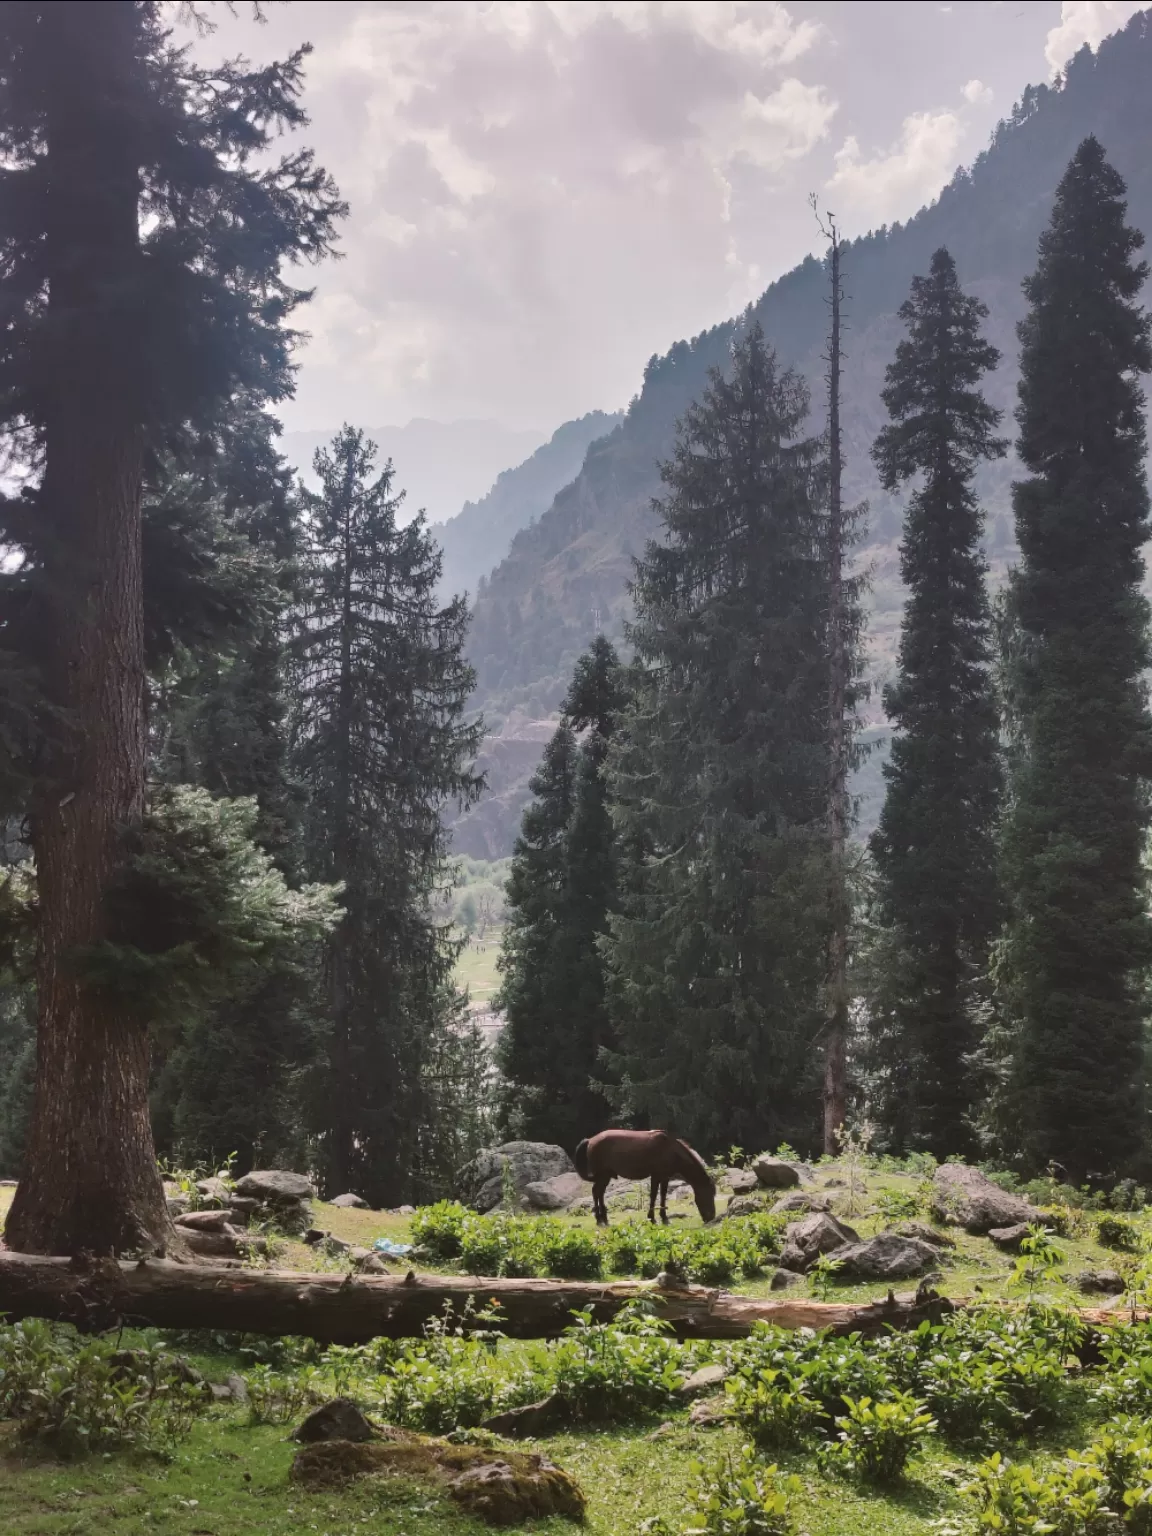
373,1264
204,1221
785,1279
702,1381
775,1173
741,1181
708,1412
746,1205
337,1245
529,1420
798,1200
1010,1239
964,1197
313,1236
554,1194
926,1234
242,1207
238,1388
275,1186
349,1203
1108,1282
405,1210
833,1183
178,1205
481,1182
806,1240
887,1256
339,1419
215,1189
220,1392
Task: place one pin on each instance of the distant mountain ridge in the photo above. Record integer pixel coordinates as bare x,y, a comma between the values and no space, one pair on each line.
569,571
479,535
440,465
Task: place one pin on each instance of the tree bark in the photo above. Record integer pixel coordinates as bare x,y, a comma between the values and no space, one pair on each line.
104,1293
89,1178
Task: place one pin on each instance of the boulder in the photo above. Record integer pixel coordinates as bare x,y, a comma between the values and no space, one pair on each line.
708,1412
242,1207
178,1205
405,1210
228,1243
349,1203
746,1205
339,1419
702,1381
481,1182
275,1186
741,1181
1106,1281
926,1234
215,1189
204,1221
887,1256
784,1279
775,1173
502,1487
554,1194
806,1240
965,1197
799,1201
1010,1239
529,1420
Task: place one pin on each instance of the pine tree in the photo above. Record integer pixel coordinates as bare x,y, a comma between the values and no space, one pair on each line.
935,848
380,745
720,777
561,888
1079,940
142,275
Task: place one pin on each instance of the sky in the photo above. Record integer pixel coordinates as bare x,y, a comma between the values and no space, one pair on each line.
544,193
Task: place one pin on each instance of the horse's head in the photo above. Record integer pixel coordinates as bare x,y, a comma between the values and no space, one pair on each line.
706,1201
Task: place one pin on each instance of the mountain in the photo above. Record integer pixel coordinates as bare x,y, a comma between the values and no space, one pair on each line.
569,571
478,536
439,464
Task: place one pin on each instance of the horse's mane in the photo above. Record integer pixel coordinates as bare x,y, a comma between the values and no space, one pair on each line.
696,1158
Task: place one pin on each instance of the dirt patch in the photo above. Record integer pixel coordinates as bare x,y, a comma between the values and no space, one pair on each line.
500,1487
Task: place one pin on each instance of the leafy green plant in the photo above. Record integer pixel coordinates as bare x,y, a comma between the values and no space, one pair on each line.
902,1204
1118,1232
773,1406
878,1438
572,1253
823,1273
1039,1256
739,1496
438,1229
619,1370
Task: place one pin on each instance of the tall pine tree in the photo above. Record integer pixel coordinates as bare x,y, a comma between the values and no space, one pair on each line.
935,852
380,745
143,261
561,888
1079,940
720,777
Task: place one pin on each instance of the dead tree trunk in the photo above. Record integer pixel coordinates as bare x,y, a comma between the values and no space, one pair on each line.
839,738
104,1293
89,1178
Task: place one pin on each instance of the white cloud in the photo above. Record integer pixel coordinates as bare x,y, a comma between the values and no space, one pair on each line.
976,93
1085,21
891,184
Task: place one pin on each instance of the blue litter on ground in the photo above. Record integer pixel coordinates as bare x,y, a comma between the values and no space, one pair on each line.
386,1245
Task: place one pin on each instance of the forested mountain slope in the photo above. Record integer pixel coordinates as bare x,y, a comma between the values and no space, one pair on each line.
473,541
569,571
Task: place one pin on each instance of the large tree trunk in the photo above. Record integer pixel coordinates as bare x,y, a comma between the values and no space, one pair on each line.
90,1178
103,1294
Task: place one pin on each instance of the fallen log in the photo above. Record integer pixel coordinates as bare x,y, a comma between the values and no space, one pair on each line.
97,1294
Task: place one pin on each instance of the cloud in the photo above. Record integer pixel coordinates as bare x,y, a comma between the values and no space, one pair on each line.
1085,21
976,93
913,170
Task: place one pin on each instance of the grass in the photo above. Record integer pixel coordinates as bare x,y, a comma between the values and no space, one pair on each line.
231,1479
476,967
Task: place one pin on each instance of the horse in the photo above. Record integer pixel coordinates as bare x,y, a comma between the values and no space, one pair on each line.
651,1155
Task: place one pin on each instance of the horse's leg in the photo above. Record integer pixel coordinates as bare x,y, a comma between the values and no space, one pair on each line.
599,1204
654,1185
664,1201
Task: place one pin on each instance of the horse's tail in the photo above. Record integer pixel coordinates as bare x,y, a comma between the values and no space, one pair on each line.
580,1158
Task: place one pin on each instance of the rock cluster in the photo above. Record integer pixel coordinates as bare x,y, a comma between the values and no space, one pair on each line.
218,1228
965,1197
481,1183
888,1256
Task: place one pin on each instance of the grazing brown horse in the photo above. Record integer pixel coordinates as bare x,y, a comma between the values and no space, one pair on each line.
644,1155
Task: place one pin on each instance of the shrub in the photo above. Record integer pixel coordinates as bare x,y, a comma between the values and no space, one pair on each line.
619,1370
877,1439
1118,1232
737,1496
572,1253
439,1228
773,1406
